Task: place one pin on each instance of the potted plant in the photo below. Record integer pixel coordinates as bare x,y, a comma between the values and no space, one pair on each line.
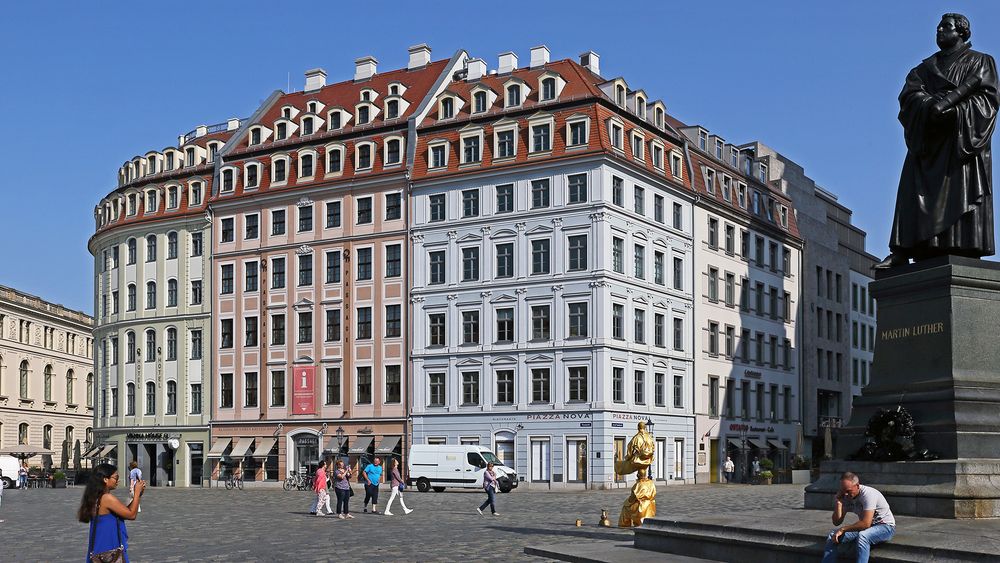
766,466
58,480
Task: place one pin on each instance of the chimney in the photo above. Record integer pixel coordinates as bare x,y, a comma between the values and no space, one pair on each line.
364,68
592,61
508,62
315,79
233,124
539,56
477,69
420,56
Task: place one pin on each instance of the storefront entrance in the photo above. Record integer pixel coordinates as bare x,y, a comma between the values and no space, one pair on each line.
196,453
306,451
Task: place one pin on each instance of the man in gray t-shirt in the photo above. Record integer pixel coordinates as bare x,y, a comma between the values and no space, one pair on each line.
875,524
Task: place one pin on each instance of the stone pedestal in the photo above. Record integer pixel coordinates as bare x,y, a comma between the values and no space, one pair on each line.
937,353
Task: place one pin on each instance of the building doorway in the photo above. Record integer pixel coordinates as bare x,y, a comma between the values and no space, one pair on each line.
505,448
197,463
306,451
713,461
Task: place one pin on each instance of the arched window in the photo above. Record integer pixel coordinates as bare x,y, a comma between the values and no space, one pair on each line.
479,102
130,399
171,344
620,95
89,436
24,379
90,390
549,89
70,382
171,245
306,164
47,436
279,173
392,152
363,115
69,439
227,180
307,126
172,197
171,293
151,248
513,95
392,109
364,156
130,297
150,345
22,433
151,295
48,383
131,251
150,398
171,397
129,347
447,108
335,160
659,117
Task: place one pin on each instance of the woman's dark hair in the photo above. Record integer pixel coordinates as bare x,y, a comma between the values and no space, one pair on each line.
95,488
133,465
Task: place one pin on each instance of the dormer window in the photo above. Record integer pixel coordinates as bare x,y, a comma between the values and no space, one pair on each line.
334,160
150,202
363,114
578,133
513,95
170,161
447,108
195,194
227,180
471,148
286,113
762,171
541,136
640,107
392,109
172,197
394,90
727,188
741,194
189,155
366,96
620,95
279,173
132,204
710,180
364,156
616,136
152,165
280,131
439,155
253,175
306,165
659,117
656,151
255,136
748,165
335,120
675,165
703,140
549,89
734,157
479,102
312,107
393,151
718,148
307,126
213,151
637,146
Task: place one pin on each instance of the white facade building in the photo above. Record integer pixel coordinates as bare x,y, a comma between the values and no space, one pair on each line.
552,312
862,332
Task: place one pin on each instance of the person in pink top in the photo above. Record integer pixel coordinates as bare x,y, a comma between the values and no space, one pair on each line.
397,488
320,486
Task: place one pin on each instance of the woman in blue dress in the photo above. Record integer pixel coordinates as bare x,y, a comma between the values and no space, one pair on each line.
106,514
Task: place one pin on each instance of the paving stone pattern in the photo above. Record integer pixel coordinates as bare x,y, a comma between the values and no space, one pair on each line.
273,525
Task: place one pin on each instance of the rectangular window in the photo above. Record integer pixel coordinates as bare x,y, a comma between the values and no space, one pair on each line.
639,196
305,270
305,218
251,276
437,208
333,266
578,383
541,138
364,264
470,203
439,156
305,328
578,322
539,193
393,261
364,331
713,284
470,388
505,144
196,398
197,245
364,386
618,191
578,133
250,387
437,267
437,329
277,273
505,260
540,388
659,330
678,219
577,253
252,226
227,279
713,396
470,264
578,188
333,386
713,233
618,321
505,198
470,149
540,322
505,387
470,327
639,326
678,392
618,384
678,333
333,214
393,206
393,384
540,256
278,329
228,231
364,210
505,325
226,391
250,324
196,292
618,255
640,261
393,321
659,389
640,387
436,382
713,338
658,208
196,345
333,329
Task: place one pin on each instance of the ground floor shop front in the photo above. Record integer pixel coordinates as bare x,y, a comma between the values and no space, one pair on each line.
267,453
167,457
567,449
743,442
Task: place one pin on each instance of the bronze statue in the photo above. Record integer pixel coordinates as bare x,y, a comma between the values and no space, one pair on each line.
641,504
948,108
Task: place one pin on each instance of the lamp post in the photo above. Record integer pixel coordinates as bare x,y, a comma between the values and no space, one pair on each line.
649,428
340,441
743,452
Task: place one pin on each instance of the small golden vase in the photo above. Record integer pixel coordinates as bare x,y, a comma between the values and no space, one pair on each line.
604,519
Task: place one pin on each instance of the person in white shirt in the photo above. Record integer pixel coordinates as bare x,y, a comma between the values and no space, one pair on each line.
729,468
875,524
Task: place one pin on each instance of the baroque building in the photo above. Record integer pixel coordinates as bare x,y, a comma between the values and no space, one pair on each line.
551,272
153,299
46,378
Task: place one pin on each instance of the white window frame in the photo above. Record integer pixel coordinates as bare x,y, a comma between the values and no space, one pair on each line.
385,151
502,127
298,164
656,154
326,155
430,154
542,119
569,137
246,175
274,160
222,183
345,118
470,134
638,142
357,156
673,154
611,124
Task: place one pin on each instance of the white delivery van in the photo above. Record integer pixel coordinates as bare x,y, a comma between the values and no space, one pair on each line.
8,471
436,466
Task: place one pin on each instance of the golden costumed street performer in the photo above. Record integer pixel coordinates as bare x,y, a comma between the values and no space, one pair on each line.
641,504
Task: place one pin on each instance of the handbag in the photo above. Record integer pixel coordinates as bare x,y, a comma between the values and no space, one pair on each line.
402,486
116,555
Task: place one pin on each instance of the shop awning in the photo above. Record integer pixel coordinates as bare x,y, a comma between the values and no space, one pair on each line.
777,445
758,443
241,448
334,445
219,446
265,447
387,445
91,452
107,450
734,443
362,445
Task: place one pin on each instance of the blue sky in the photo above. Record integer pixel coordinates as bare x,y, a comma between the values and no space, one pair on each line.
87,85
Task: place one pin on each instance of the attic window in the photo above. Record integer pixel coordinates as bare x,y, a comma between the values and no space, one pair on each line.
659,118
363,115
213,151
280,131
620,95
447,108
718,148
513,95
286,113
392,109
307,126
255,136
394,90
170,161
703,140
640,107
335,120
479,102
312,107
190,156
227,180
366,96
549,89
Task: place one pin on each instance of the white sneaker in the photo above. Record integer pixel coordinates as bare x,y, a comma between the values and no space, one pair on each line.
341,516
407,510
318,513
496,514
387,513
479,510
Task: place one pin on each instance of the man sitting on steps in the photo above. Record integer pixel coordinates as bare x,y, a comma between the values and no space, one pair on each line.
875,523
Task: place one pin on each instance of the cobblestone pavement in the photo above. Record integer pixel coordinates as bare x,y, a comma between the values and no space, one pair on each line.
273,525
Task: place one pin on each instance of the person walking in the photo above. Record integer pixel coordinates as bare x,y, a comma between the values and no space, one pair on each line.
342,487
106,515
490,485
134,476
755,466
320,487
729,468
22,476
372,476
397,488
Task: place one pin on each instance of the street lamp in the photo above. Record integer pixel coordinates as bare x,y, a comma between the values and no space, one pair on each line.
649,427
743,450
340,440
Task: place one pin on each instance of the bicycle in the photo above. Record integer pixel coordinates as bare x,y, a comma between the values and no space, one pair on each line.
234,481
296,481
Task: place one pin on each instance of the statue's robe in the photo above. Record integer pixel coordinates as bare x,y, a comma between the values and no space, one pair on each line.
944,204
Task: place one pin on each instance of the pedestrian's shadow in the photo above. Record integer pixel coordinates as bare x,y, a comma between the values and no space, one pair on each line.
573,531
